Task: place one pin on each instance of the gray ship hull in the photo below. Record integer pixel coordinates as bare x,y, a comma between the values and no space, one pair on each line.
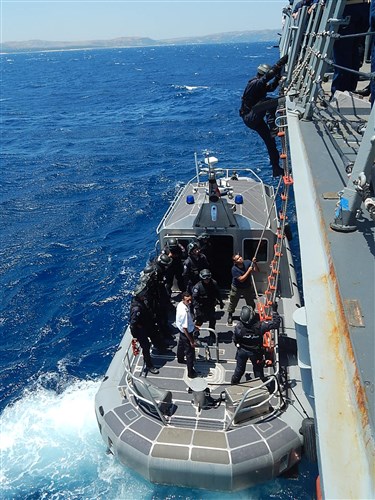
332,155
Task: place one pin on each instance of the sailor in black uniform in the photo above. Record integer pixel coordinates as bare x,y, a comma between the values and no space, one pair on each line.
161,303
193,265
255,93
205,244
142,325
177,253
248,337
206,294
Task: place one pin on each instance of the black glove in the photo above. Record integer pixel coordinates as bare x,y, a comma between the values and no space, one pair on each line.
283,60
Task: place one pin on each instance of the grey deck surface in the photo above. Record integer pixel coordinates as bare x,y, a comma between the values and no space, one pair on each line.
352,253
173,375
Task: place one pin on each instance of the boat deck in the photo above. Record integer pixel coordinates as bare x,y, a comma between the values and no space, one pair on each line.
173,375
216,377
200,436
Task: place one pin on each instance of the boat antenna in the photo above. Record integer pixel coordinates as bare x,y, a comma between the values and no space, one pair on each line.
196,166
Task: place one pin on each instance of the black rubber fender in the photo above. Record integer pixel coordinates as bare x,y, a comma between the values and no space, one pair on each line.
288,232
309,439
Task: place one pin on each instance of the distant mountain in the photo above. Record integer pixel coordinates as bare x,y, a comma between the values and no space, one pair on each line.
232,37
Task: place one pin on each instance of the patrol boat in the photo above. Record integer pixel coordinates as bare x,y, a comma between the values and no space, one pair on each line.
332,152
204,432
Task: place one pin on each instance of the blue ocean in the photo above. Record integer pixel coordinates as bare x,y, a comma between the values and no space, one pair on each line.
95,145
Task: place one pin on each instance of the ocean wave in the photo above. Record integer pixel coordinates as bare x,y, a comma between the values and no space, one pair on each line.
51,448
191,88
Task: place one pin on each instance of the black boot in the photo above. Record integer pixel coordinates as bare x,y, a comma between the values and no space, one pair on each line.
364,92
277,171
230,319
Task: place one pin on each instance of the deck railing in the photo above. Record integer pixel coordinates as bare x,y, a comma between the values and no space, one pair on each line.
225,173
274,393
309,41
129,362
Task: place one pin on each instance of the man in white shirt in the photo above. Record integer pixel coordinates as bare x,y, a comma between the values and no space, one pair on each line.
186,343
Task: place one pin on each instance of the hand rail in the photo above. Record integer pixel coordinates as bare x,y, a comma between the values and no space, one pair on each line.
249,391
129,376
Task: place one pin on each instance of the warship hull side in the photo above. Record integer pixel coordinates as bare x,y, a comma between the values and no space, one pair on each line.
335,344
331,140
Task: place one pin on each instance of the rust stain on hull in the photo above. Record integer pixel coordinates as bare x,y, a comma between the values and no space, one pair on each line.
343,329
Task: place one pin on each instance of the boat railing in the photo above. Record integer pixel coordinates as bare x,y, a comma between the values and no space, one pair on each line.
308,40
272,383
225,173
170,208
228,173
273,393
129,378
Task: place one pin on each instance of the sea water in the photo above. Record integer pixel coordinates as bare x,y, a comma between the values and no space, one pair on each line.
95,145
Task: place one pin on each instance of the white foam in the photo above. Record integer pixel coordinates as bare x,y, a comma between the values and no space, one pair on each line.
50,445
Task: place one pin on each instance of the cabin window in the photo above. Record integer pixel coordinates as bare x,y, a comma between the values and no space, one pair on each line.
250,247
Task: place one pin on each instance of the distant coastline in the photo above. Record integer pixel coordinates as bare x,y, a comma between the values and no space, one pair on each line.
127,42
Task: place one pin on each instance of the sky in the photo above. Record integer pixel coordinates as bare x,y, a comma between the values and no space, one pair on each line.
79,20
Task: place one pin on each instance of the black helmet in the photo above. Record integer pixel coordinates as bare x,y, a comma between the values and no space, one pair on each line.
205,274
247,314
263,69
148,269
192,246
172,243
164,260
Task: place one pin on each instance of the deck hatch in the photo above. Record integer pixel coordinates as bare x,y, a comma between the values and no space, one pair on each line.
126,413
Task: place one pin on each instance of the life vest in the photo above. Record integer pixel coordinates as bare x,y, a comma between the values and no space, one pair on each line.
250,339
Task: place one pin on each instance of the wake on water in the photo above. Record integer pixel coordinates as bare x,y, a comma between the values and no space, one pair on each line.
51,448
